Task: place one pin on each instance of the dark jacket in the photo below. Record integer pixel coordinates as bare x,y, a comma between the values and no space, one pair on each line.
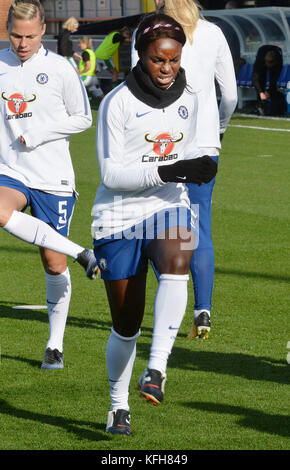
260,70
64,44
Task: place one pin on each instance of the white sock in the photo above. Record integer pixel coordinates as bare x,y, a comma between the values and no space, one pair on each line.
120,356
58,293
35,231
197,312
169,308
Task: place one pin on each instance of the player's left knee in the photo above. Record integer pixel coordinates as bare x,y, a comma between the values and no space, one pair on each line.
55,270
178,264
54,265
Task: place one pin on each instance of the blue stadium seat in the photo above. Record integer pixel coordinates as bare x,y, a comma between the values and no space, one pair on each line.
241,75
249,75
244,77
246,90
287,75
284,76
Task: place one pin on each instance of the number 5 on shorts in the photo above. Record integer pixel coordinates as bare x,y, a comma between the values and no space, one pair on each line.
62,210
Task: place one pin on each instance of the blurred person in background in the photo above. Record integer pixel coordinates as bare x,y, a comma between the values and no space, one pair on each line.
267,68
64,42
108,48
88,68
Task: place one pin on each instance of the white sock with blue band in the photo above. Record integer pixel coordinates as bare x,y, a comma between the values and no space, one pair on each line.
120,356
169,308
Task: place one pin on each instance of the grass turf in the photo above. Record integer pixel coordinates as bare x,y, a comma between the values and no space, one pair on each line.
230,392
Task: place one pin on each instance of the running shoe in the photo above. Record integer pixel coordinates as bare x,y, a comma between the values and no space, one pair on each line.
53,359
119,422
151,385
200,326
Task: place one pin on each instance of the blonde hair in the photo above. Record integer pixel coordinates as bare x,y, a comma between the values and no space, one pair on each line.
26,10
70,23
185,12
87,40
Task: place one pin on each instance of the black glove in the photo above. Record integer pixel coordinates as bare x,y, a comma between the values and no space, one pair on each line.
198,170
221,137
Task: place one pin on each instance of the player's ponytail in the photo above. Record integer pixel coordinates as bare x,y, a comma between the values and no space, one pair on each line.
185,12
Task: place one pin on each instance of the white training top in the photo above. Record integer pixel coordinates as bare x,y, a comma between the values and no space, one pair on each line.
132,140
43,100
206,60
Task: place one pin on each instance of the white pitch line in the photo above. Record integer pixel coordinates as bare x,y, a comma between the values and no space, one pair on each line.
30,307
268,118
260,128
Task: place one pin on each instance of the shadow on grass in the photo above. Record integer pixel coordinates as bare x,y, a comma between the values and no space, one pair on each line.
27,248
264,369
250,274
96,433
41,316
31,362
249,418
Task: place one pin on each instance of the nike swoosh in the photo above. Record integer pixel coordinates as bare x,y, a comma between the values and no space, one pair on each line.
142,114
181,177
35,236
59,227
172,328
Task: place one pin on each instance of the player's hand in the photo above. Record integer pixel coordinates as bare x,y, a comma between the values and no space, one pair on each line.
21,140
198,170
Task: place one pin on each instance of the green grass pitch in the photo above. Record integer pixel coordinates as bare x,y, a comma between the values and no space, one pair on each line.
230,392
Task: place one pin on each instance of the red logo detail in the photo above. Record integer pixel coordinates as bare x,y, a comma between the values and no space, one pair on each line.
163,144
17,103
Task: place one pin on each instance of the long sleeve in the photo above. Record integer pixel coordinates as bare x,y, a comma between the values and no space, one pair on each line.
192,151
77,116
225,76
111,151
256,78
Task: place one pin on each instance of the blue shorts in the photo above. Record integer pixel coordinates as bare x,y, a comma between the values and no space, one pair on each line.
123,255
54,210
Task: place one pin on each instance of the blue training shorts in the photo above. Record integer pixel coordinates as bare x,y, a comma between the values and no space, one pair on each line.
123,255
54,210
